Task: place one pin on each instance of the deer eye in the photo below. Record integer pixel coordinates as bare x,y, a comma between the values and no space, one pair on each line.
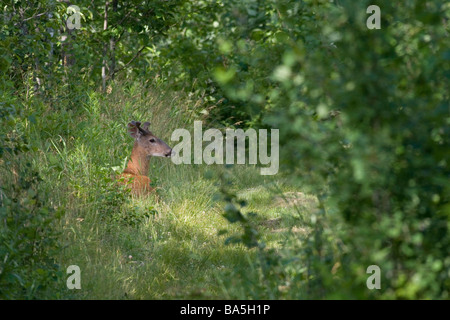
152,140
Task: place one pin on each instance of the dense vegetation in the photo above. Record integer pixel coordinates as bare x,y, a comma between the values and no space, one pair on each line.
364,149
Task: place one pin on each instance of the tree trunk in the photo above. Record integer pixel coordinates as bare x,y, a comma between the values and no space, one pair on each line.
112,44
105,48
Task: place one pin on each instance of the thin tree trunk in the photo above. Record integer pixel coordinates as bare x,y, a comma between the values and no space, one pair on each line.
24,31
105,48
112,45
66,44
37,68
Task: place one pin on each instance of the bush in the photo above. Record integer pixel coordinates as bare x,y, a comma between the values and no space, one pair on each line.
363,118
28,241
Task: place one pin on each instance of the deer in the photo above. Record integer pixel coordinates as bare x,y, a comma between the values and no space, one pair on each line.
146,145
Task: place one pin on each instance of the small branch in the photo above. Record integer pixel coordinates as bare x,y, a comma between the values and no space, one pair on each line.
22,21
128,63
123,19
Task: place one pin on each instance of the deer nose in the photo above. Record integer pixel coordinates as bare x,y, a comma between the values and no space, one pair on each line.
168,154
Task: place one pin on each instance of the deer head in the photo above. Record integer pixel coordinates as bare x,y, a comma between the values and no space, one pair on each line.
146,143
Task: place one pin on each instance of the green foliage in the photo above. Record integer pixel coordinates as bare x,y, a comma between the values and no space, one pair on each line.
116,208
364,128
233,213
28,239
363,115
133,216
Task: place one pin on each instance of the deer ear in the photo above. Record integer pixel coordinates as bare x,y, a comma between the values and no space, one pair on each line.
133,129
145,126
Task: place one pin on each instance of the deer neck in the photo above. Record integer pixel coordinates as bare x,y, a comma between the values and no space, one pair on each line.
139,162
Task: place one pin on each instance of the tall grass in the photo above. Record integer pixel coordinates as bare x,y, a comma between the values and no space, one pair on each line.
168,245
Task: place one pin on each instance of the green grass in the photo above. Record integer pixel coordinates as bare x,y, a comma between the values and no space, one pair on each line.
167,245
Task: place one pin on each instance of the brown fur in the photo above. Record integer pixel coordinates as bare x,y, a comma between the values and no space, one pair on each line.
140,185
146,145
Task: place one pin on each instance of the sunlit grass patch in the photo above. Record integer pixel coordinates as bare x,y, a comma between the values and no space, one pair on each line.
171,243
